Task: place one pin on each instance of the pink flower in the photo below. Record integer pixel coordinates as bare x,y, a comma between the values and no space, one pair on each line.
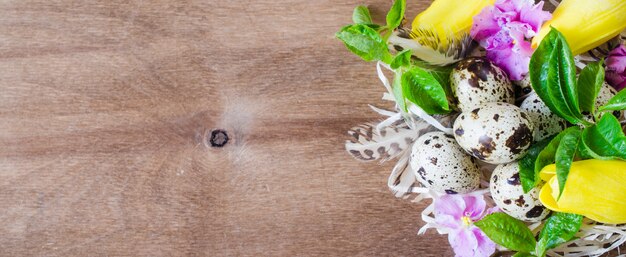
456,214
616,68
505,30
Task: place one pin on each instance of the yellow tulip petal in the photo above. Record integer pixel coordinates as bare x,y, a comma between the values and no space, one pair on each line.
595,189
546,198
547,172
445,19
586,24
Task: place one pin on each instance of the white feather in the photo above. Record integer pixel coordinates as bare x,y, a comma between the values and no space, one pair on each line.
419,112
432,48
425,53
371,144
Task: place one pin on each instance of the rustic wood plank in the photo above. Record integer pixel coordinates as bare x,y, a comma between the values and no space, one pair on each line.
105,111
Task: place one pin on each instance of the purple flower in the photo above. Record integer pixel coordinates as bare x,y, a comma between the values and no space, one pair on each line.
456,214
616,68
505,30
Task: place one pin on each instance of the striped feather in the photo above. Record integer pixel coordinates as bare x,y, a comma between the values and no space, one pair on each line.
367,143
430,47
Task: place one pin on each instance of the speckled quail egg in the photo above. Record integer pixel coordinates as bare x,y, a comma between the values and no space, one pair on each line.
506,190
606,93
545,122
495,133
476,81
441,165
522,87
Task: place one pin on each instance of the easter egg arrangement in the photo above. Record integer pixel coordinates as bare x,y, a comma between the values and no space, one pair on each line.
508,120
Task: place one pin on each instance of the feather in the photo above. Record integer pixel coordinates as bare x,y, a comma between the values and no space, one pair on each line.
368,143
402,181
419,112
430,48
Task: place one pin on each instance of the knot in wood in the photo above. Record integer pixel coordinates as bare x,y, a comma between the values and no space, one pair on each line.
218,138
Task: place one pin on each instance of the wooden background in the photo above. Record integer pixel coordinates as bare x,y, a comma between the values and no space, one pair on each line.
106,111
105,107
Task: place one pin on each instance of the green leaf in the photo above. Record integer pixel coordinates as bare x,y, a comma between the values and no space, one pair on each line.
361,15
365,42
553,76
585,153
605,140
618,102
421,88
527,165
547,155
589,84
558,229
401,59
395,15
507,231
375,27
523,254
397,91
565,154
441,74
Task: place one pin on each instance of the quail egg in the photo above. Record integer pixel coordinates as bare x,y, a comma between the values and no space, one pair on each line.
604,95
476,81
522,87
495,133
508,194
545,122
441,165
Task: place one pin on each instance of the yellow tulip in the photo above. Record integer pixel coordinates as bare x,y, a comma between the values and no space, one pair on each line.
595,189
586,24
447,20
440,34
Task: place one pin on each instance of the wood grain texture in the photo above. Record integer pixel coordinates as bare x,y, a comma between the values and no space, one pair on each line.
106,108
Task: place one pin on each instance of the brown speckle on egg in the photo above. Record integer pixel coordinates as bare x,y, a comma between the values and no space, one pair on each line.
509,195
422,172
442,165
535,212
514,180
522,87
520,140
476,81
546,123
520,201
497,132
